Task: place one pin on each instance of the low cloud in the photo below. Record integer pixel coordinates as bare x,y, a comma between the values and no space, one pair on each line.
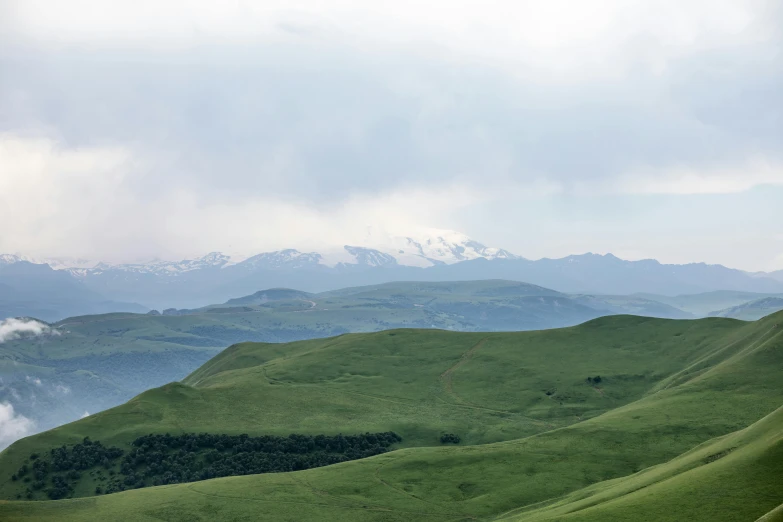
13,426
12,329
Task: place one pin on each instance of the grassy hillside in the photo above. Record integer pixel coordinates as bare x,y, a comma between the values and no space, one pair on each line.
752,310
735,477
568,448
701,305
100,361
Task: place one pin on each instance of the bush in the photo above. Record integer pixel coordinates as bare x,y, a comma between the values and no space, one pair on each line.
449,438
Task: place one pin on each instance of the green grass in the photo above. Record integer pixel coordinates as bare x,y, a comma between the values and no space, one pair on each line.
104,360
621,451
735,477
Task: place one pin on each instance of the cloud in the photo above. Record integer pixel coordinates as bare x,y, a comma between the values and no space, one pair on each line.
34,380
13,426
12,329
85,414
183,128
555,32
685,180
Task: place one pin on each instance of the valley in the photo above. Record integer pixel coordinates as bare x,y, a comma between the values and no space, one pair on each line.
90,363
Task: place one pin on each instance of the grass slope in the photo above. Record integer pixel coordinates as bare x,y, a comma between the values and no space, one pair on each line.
735,477
667,387
100,361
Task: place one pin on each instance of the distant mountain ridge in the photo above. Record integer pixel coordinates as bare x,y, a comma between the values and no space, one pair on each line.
37,290
435,256
752,310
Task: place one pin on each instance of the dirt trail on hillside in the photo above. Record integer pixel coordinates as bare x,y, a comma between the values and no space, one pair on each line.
448,376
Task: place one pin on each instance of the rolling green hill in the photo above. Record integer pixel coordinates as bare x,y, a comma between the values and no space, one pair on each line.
752,310
701,305
99,361
683,420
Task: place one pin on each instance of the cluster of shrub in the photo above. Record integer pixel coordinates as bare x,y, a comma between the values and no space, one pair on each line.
594,380
169,459
449,438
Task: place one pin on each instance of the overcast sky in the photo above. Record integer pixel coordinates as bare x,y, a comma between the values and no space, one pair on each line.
163,128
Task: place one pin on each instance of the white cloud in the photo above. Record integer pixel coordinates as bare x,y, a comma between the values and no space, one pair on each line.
34,380
689,180
13,426
170,129
85,414
558,36
11,329
84,191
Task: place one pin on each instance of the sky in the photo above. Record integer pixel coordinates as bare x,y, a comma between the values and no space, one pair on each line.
169,129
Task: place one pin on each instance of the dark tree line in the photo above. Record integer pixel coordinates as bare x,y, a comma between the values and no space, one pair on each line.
170,459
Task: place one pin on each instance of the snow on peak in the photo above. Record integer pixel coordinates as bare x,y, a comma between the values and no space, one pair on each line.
426,247
10,259
288,258
434,246
370,256
211,260
56,263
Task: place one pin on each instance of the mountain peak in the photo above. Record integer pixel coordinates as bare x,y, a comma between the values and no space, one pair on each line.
370,256
9,259
432,246
288,258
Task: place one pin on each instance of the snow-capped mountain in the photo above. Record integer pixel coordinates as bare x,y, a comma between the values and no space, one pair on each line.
447,246
211,260
57,263
370,256
10,259
427,248
431,255
288,258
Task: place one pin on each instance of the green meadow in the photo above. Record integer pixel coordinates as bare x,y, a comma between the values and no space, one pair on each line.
619,418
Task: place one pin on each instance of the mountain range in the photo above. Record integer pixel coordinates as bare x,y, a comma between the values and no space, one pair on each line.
435,256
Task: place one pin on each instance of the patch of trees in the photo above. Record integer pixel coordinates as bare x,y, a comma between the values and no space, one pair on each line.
170,459
68,460
449,438
594,380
